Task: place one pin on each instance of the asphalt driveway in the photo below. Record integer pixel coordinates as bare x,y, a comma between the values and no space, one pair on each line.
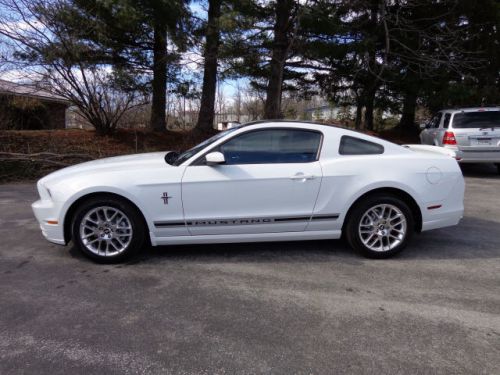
280,308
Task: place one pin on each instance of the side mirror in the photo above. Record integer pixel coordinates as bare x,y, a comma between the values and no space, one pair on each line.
423,125
171,157
215,158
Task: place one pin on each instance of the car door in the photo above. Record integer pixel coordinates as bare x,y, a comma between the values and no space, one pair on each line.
269,182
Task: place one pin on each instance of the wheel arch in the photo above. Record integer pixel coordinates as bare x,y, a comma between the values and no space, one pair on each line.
401,194
68,217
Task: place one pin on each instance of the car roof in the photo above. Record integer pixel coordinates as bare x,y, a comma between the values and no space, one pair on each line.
326,129
470,109
340,130
257,122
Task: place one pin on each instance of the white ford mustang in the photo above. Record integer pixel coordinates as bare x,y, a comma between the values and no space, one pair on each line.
263,181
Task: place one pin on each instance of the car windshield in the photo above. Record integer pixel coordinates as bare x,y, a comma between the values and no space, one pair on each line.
486,119
193,151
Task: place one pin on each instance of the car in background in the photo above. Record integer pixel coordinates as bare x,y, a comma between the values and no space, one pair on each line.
473,133
262,181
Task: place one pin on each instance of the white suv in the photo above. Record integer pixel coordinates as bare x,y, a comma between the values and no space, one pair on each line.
474,133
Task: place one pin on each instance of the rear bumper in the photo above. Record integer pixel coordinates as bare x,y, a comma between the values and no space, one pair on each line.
447,219
473,155
46,212
447,212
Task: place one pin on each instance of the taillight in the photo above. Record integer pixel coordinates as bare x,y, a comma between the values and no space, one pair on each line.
449,138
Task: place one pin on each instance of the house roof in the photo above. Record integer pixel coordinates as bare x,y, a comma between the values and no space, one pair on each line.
30,90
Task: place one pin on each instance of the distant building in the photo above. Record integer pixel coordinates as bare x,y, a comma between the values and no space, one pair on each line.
224,125
323,112
328,112
24,107
227,120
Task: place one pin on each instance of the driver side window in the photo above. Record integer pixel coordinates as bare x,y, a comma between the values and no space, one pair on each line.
272,146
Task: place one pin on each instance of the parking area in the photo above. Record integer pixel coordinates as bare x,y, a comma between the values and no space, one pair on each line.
281,308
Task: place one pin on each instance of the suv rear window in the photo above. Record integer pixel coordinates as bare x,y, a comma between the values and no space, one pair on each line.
487,119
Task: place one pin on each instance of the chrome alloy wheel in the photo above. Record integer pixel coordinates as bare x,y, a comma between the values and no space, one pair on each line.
105,231
382,227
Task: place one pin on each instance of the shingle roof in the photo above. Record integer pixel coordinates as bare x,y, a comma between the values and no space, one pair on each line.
13,88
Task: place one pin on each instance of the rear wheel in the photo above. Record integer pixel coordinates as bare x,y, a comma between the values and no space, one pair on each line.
379,226
108,230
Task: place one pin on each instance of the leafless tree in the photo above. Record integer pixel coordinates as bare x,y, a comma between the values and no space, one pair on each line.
42,48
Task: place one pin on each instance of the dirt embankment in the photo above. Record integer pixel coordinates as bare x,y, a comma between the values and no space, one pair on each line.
47,146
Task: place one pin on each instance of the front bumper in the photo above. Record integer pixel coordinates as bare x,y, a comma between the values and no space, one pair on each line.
46,212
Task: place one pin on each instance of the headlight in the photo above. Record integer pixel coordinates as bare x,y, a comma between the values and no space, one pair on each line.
44,192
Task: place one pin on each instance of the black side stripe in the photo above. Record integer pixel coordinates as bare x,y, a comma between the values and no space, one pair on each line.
298,218
244,221
164,224
325,217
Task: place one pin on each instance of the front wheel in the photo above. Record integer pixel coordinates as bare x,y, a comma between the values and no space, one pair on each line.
108,230
379,226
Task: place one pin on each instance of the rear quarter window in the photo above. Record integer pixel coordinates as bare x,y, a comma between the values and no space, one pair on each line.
356,146
446,122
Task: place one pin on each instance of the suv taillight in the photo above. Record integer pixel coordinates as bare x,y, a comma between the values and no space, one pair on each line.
449,139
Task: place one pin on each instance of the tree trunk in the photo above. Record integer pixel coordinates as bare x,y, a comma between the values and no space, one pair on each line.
407,122
359,112
369,105
373,83
206,116
272,107
158,107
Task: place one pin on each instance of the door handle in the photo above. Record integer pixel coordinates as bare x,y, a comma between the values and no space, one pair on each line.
302,177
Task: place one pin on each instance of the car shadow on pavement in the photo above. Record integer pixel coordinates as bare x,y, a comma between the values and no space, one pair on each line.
480,170
276,252
473,238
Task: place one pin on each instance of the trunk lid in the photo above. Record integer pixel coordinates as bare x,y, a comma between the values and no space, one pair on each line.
435,150
477,130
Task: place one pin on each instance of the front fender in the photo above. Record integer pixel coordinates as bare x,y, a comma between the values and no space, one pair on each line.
67,205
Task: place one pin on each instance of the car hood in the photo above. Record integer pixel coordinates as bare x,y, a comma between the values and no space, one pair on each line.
115,164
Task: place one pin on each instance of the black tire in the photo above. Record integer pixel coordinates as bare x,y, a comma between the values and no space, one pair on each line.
498,167
356,214
134,217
